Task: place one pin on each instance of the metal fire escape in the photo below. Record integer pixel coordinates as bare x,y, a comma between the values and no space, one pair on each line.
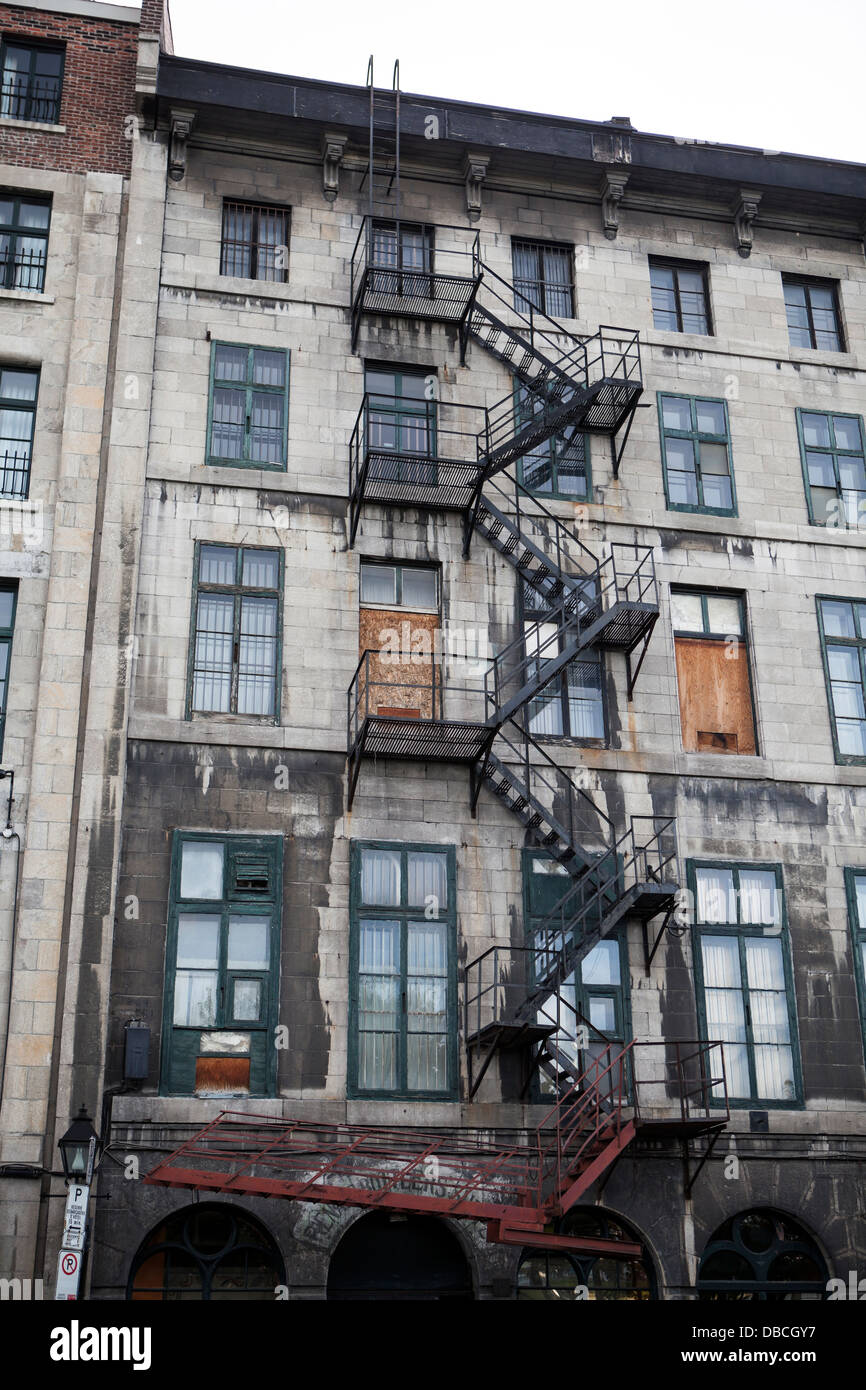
463,460
519,1185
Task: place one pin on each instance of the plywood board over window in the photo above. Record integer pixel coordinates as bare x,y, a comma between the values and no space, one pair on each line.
716,710
402,642
715,696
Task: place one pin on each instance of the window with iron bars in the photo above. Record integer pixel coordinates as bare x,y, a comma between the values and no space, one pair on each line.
23,242
236,626
31,78
18,391
543,278
255,242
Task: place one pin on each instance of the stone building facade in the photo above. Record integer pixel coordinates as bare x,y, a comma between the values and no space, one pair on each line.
224,604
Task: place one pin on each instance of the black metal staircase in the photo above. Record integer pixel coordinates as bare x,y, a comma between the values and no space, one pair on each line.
563,383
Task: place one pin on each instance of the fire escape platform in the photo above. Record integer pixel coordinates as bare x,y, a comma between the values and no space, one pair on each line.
679,1127
507,1035
622,626
419,480
422,740
407,294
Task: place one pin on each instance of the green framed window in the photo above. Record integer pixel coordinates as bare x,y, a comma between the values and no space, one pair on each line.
560,467
680,296
572,705
855,890
255,241
403,971
402,420
542,274
24,225
31,79
842,625
19,388
834,467
599,989
8,605
812,307
235,632
744,981
222,965
696,454
249,406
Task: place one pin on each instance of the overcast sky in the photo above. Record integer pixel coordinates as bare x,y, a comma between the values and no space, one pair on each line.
776,74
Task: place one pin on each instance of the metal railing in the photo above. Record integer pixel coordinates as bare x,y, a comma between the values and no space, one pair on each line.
443,285
564,352
14,473
385,685
567,808
689,1074
22,270
498,982
422,453
28,98
633,859
529,514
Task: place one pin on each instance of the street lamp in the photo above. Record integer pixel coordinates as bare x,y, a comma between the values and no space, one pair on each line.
78,1148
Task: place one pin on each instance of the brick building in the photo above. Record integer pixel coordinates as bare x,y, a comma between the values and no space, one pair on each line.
590,599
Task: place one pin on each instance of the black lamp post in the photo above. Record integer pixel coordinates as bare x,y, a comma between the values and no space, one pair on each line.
78,1148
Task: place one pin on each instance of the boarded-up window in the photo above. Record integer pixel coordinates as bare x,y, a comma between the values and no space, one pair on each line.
399,623
716,713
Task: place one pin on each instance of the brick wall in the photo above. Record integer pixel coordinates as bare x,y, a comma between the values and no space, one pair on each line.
98,93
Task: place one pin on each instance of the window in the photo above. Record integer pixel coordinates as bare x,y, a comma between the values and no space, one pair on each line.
855,887
843,640
600,994
763,1256
680,296
415,587
713,677
255,242
249,406
237,624
744,979
222,960
207,1252
572,705
831,451
542,277
23,242
813,314
31,81
408,248
560,467
402,418
403,971
696,454
8,604
548,1276
18,391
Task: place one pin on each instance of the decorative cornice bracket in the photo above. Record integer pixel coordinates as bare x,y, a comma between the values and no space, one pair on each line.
182,122
612,189
333,149
745,213
474,172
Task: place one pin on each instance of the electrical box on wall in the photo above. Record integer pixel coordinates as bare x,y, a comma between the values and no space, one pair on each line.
136,1050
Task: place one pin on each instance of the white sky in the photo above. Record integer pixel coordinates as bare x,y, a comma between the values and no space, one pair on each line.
776,74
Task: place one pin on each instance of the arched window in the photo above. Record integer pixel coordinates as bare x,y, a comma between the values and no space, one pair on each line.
761,1254
562,1275
206,1252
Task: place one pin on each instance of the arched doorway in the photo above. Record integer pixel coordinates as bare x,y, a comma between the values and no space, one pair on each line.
391,1256
562,1277
764,1255
206,1252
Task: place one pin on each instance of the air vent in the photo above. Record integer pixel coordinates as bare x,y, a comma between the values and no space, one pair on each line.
251,873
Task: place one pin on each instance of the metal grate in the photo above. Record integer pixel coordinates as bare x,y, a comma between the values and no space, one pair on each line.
255,242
